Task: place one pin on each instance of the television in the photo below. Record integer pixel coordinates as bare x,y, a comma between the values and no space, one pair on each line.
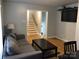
69,14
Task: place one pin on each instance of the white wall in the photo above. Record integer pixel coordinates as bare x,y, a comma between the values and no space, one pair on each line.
1,41
65,30
39,17
51,22
77,29
16,13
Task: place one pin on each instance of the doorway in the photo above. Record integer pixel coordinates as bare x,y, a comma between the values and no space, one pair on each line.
36,24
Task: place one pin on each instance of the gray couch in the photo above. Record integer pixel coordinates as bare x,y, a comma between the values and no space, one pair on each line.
27,52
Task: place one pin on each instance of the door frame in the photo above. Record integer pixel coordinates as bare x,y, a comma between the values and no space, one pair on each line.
28,10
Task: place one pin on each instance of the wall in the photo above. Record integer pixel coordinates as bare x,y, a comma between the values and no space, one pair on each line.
51,31
65,30
15,12
39,17
1,41
77,29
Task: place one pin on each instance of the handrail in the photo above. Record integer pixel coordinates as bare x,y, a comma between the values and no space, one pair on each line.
36,24
34,21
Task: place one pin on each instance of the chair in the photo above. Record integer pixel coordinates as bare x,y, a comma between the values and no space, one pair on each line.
70,49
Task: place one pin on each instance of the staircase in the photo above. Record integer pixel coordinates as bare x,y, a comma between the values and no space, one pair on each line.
31,28
32,32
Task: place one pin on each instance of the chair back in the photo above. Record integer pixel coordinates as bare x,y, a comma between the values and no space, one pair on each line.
70,47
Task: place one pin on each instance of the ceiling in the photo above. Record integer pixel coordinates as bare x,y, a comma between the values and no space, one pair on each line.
46,2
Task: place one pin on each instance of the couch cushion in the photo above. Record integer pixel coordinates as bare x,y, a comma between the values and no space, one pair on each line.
30,55
11,47
22,42
26,49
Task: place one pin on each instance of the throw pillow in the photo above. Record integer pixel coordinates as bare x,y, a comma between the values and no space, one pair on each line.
12,46
13,35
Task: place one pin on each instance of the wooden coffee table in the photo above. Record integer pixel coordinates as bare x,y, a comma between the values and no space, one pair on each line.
48,49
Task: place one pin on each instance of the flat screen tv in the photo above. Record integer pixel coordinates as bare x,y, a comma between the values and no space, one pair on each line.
69,14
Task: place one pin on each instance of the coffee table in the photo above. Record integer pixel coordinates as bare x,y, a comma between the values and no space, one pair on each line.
48,49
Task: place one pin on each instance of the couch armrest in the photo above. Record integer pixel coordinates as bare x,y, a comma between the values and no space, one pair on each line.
30,55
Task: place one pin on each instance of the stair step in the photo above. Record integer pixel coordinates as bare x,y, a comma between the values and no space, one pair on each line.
31,29
30,26
31,32
31,23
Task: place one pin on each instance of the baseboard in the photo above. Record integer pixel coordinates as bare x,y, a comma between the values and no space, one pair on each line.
51,37
65,40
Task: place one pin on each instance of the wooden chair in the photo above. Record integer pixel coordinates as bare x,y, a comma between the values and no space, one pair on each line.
70,49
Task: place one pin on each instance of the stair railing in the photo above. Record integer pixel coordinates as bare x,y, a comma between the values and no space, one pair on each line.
35,22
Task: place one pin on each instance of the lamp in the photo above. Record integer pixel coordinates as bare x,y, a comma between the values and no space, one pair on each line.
11,26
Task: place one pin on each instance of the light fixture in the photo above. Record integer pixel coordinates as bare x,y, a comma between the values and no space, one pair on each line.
11,26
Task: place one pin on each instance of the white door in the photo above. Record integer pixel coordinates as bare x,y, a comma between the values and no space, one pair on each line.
44,24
